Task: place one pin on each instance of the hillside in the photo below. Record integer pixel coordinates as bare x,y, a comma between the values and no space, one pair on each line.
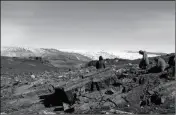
55,57
21,65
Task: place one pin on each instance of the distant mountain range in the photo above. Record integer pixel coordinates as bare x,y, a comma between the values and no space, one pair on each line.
67,58
68,54
41,52
56,57
116,54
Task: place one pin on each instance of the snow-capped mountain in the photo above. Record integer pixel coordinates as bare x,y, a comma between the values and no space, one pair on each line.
16,52
117,54
65,53
95,55
43,52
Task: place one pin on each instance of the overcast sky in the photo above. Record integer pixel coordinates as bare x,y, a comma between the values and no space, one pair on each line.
89,25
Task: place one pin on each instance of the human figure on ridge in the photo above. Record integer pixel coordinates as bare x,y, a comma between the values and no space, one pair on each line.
100,64
171,63
145,61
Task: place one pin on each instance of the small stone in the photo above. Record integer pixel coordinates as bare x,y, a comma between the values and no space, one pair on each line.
151,92
125,89
122,112
109,92
141,80
119,71
112,110
135,79
66,106
85,106
82,90
163,100
87,71
16,83
103,112
116,60
33,76
60,76
107,113
51,113
142,103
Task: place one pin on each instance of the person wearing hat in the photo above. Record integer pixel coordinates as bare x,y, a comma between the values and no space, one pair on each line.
144,63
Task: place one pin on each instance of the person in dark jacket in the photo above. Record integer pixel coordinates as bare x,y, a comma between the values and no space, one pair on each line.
171,63
100,64
144,63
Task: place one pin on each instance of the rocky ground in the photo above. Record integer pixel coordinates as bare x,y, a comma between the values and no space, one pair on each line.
122,90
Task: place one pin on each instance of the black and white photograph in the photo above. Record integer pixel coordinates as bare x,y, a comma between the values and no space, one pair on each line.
88,57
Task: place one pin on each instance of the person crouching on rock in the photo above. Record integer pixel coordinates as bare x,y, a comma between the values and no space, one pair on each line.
100,64
144,63
160,64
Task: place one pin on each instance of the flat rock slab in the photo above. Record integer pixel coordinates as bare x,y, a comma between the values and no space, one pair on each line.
103,76
22,89
104,79
31,100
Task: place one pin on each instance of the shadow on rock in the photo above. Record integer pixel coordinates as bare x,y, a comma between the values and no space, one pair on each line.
109,92
57,99
157,99
154,69
164,75
116,84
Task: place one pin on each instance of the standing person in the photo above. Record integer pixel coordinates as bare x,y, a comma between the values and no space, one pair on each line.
160,64
100,64
171,63
145,61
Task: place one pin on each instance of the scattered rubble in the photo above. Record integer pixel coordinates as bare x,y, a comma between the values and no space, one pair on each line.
121,90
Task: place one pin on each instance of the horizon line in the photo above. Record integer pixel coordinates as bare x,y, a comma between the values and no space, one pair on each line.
100,50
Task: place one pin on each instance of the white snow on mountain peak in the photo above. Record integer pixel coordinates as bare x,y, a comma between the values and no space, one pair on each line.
94,55
108,54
